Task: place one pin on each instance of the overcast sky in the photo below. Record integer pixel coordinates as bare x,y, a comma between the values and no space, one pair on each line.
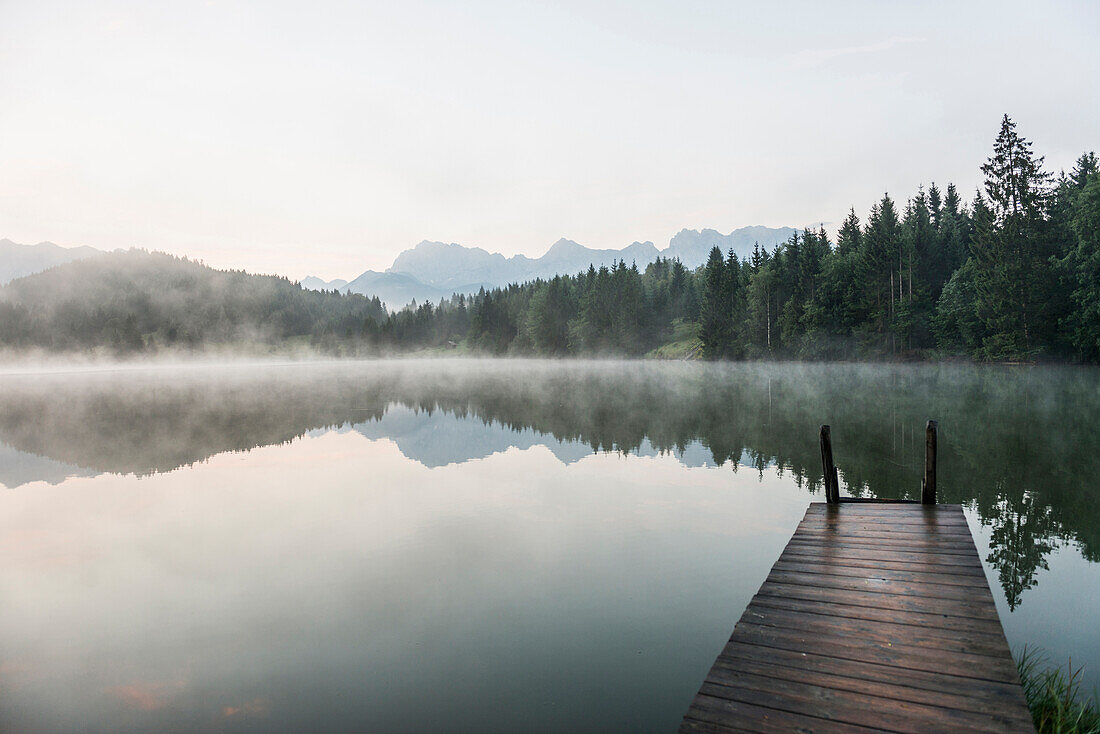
324,138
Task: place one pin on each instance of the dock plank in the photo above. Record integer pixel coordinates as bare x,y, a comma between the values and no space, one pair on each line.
888,633
928,574
876,617
832,552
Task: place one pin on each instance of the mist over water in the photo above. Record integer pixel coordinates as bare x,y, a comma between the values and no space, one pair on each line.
481,545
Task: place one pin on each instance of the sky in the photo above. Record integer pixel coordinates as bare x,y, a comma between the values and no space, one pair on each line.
323,138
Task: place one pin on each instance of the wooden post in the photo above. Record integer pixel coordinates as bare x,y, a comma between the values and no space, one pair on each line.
928,486
828,469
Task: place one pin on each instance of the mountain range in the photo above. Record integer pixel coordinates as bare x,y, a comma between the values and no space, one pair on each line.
434,270
18,260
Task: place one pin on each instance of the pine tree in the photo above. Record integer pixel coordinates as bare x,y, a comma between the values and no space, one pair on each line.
763,306
714,313
1011,259
735,305
1084,259
849,237
935,204
758,256
880,260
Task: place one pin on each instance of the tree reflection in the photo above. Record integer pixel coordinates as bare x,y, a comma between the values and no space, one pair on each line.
1023,535
1018,445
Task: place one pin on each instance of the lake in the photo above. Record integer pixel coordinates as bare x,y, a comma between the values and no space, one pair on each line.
482,545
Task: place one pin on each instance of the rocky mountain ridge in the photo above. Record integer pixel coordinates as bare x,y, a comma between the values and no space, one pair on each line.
435,270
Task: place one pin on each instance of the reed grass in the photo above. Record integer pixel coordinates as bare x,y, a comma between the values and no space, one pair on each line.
1054,696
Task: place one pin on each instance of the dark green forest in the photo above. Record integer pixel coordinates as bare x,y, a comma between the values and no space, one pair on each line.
137,301
1013,275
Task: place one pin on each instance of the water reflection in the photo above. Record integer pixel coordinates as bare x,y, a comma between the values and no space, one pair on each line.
1018,444
418,545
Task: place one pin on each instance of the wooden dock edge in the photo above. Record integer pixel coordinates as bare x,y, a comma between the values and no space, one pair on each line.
876,617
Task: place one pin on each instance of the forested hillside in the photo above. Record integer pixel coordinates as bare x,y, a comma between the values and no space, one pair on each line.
137,301
1012,275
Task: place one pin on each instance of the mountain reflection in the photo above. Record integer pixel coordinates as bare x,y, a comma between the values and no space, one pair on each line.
1017,444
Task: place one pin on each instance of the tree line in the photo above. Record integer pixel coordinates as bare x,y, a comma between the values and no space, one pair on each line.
137,301
1013,275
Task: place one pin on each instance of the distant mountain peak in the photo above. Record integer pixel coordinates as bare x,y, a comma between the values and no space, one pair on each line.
433,247
692,246
432,270
318,284
17,261
564,248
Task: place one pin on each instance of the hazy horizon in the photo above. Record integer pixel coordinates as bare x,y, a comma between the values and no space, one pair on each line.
663,248
325,140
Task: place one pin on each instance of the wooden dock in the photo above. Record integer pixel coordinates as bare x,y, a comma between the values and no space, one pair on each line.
876,617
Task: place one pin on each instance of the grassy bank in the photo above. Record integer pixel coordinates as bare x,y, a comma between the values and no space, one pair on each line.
1054,696
685,344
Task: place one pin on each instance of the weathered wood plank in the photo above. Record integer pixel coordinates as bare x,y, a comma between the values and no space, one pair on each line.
915,525
913,513
799,564
691,726
925,537
828,552
945,607
903,511
993,697
891,546
928,486
840,705
910,533
884,536
828,468
874,618
912,657
979,643
880,681
879,584
914,619
901,516
764,719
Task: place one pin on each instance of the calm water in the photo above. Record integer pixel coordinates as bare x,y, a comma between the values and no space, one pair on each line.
481,546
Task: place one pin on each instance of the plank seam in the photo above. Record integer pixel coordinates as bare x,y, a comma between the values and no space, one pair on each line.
870,662
901,688
792,713
953,613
